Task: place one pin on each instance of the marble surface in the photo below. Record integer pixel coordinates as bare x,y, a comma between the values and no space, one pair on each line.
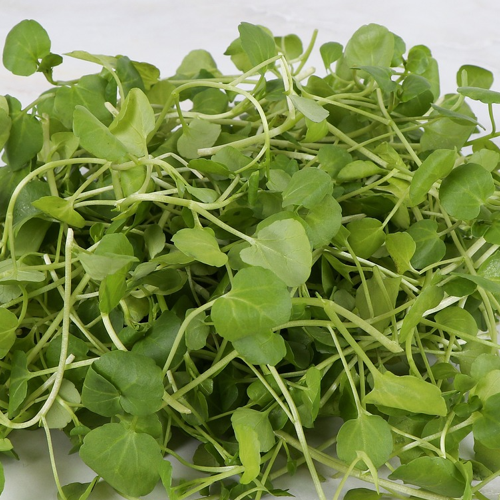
162,32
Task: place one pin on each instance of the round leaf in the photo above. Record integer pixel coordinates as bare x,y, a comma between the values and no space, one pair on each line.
367,236
123,381
201,245
127,460
465,190
284,248
264,348
257,302
368,433
371,45
26,43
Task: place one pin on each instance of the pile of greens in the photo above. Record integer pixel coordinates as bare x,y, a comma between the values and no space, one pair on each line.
237,259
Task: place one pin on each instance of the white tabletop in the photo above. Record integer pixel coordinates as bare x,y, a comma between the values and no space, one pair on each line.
162,32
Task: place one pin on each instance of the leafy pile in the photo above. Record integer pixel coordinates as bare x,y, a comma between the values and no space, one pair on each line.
233,258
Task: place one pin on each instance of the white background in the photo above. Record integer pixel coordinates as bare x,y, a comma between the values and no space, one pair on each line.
162,32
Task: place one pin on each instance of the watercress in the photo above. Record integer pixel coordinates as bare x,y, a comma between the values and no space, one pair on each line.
233,258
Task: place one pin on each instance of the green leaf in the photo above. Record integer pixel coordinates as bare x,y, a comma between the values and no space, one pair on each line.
316,131
19,377
111,290
366,236
95,137
480,94
129,75
89,92
257,44
165,470
26,43
113,253
446,133
330,52
487,159
262,348
436,166
155,239
310,108
127,460
359,169
382,76
323,221
257,302
160,338
428,298
282,247
370,434
333,159
307,188
8,325
232,158
5,122
257,421
134,122
457,319
464,191
290,45
123,381
210,102
199,134
476,76
196,61
209,167
362,494
201,245
77,491
311,397
408,393
488,386
484,364
58,417
197,332
401,248
60,209
430,248
25,140
490,286
487,427
382,294
371,45
249,451
435,474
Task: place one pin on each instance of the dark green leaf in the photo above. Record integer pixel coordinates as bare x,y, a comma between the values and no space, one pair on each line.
123,381
262,348
25,140
127,460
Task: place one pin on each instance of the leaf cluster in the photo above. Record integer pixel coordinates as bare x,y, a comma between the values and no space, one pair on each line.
233,259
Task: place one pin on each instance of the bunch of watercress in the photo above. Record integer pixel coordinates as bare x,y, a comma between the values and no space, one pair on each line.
233,258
